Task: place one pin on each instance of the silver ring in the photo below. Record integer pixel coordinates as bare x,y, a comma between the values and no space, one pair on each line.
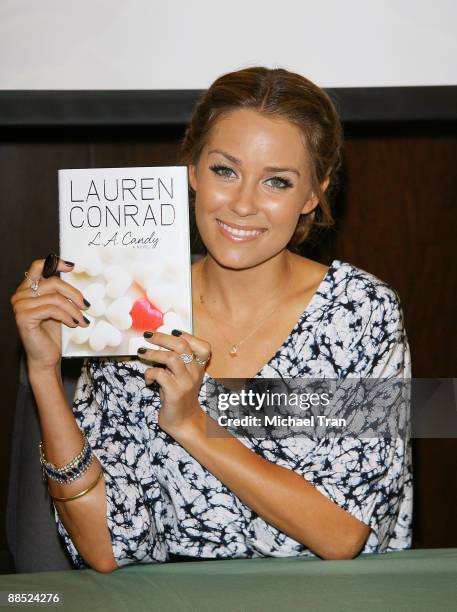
33,284
200,361
187,358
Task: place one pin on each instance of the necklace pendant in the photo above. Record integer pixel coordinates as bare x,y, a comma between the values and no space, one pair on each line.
233,351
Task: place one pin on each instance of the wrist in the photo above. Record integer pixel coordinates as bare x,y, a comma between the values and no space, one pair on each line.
190,429
39,374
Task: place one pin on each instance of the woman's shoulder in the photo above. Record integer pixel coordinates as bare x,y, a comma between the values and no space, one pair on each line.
358,304
349,301
349,284
343,283
353,323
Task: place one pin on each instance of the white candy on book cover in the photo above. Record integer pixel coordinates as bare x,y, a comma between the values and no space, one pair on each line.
127,230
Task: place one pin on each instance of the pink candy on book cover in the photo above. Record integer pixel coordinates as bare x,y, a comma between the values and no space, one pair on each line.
127,230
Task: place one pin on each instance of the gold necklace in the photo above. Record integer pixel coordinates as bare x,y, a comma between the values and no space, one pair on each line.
233,352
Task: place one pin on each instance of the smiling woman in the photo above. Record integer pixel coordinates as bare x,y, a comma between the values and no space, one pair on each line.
263,148
246,192
300,106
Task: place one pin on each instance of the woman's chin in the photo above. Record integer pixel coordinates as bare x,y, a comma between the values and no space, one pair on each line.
227,258
239,255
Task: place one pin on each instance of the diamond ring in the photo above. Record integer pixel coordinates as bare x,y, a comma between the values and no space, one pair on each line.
201,361
187,358
33,284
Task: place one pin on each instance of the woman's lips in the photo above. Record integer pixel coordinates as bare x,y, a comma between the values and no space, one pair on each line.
239,234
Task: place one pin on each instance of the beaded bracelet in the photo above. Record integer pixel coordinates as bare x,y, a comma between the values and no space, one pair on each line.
72,470
80,494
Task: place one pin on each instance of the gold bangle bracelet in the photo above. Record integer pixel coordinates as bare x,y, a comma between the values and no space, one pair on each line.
65,499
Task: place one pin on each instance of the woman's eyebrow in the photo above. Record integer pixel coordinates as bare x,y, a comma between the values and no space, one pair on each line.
235,160
276,169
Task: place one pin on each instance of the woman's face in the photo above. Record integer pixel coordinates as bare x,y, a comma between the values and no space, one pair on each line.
252,181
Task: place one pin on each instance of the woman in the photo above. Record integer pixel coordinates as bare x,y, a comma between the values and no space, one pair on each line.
263,148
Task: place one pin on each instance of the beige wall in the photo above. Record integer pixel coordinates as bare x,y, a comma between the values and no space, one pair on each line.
142,44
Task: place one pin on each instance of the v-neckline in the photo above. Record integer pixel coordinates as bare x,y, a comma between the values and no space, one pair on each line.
302,316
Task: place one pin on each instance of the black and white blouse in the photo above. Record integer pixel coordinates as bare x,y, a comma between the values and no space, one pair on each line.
160,500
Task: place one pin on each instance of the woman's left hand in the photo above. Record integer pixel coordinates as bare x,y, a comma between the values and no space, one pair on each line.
179,382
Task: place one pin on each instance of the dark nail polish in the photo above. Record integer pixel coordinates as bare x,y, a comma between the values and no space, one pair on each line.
86,303
141,350
148,334
51,263
70,264
176,332
86,320
75,320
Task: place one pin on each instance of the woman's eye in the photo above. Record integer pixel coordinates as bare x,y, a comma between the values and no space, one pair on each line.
278,182
223,171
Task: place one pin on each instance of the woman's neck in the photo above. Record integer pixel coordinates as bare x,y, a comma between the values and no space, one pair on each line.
237,294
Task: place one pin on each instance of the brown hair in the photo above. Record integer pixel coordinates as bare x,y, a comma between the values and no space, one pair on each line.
288,95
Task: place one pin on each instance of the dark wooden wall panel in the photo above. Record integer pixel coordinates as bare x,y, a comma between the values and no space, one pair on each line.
28,229
399,218
133,154
396,217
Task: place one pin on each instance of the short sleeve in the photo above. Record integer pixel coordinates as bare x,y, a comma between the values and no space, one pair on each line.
117,440
380,347
371,478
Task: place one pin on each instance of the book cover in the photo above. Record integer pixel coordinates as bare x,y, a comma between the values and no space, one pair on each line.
127,230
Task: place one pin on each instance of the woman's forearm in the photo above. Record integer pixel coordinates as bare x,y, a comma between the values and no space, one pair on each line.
278,495
83,518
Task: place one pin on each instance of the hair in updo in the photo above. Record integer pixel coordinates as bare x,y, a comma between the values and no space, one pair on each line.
279,93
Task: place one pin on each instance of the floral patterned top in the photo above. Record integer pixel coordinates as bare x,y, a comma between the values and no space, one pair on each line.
161,501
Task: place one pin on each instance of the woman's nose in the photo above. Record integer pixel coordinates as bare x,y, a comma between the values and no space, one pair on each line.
244,200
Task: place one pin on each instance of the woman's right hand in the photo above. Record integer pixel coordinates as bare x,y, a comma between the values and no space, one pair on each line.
38,317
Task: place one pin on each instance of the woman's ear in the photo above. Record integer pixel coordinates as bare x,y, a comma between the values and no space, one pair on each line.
313,199
325,183
193,176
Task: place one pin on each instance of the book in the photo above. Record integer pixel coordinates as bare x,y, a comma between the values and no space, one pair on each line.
127,231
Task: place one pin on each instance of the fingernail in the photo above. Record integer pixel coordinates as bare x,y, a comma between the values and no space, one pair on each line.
75,320
148,334
176,332
86,303
141,350
86,320
51,263
70,264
